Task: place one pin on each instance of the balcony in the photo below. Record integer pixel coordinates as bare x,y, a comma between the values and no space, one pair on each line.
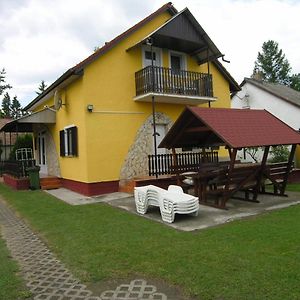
173,86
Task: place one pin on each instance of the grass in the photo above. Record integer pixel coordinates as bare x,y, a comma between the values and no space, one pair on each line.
11,285
293,187
257,258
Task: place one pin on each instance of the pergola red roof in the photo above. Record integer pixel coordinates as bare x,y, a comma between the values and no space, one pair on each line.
235,128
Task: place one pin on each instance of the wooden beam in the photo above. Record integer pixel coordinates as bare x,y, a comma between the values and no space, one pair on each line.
175,164
182,131
288,169
260,175
232,154
198,129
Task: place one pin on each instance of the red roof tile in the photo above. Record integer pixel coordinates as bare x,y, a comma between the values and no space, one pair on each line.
235,128
247,127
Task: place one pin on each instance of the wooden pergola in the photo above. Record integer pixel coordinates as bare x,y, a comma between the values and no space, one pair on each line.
235,129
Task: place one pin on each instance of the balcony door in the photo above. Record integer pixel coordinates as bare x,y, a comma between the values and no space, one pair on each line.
157,56
157,62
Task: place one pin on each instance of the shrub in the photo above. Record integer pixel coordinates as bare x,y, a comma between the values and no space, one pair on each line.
23,141
279,153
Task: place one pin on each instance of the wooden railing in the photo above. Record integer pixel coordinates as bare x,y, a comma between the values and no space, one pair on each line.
185,161
167,81
17,168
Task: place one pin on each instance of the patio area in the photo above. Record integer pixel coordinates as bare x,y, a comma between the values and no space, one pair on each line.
207,217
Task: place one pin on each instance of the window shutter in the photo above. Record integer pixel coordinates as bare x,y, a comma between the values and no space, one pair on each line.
74,146
62,142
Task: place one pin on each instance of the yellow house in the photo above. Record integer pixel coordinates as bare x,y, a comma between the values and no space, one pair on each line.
93,126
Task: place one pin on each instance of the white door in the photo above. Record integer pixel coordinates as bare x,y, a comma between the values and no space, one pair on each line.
157,62
41,147
161,130
147,61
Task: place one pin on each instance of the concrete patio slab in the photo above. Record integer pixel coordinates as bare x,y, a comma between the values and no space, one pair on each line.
74,198
210,216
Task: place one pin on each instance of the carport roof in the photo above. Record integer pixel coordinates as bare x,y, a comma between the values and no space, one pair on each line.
235,128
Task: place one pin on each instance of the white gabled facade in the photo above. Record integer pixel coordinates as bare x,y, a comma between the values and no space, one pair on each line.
254,97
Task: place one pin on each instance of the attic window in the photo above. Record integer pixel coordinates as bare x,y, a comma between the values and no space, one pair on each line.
68,141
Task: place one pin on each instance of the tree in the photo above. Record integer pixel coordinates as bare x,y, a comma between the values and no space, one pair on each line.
295,82
279,153
272,64
3,84
16,108
6,106
42,87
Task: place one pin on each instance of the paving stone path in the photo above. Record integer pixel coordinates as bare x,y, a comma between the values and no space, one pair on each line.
48,278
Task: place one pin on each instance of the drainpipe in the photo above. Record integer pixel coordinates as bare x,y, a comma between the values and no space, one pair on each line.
208,69
150,42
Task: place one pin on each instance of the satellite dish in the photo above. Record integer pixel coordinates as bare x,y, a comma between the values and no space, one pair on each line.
57,100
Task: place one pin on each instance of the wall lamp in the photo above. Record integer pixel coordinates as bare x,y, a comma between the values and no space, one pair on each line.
90,107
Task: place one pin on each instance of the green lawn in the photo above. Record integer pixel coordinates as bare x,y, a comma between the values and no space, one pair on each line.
293,187
257,258
11,285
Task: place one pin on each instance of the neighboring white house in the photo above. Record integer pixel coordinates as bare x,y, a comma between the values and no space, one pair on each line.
280,100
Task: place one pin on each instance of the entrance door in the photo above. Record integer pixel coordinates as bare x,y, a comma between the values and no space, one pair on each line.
41,147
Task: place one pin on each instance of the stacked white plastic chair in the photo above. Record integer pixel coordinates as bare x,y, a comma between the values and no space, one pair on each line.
172,201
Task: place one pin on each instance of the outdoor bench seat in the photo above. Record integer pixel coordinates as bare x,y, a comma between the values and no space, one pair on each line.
241,179
170,202
276,175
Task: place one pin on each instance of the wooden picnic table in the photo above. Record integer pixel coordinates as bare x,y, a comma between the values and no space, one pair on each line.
201,179
221,182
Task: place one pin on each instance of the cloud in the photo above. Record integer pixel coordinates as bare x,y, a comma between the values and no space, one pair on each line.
42,39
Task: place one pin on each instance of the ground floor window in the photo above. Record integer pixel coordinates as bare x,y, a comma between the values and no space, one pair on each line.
68,141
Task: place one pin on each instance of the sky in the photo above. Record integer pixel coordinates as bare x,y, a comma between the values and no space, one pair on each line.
41,39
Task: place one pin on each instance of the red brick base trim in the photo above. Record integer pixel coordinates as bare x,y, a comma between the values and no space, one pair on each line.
16,183
91,189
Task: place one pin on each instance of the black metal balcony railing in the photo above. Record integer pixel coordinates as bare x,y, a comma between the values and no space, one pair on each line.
167,81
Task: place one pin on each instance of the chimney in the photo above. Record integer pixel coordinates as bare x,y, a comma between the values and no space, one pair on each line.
258,75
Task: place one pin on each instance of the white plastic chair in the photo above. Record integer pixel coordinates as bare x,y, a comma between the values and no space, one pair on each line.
172,201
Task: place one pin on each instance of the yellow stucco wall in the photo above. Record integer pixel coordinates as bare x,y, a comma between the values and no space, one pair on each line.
109,85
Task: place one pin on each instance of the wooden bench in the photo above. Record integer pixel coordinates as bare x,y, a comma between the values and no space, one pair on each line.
276,175
228,182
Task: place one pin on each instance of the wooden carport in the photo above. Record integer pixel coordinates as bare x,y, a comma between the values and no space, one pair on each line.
235,129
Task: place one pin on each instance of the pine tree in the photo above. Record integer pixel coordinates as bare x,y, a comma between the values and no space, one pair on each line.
272,64
6,106
295,82
3,84
42,87
16,108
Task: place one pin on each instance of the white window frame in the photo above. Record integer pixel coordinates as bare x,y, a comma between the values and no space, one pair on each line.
67,141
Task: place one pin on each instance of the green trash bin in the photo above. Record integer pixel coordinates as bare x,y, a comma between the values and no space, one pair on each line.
34,177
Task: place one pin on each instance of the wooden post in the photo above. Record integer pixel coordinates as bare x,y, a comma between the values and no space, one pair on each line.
232,154
175,164
260,175
288,169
